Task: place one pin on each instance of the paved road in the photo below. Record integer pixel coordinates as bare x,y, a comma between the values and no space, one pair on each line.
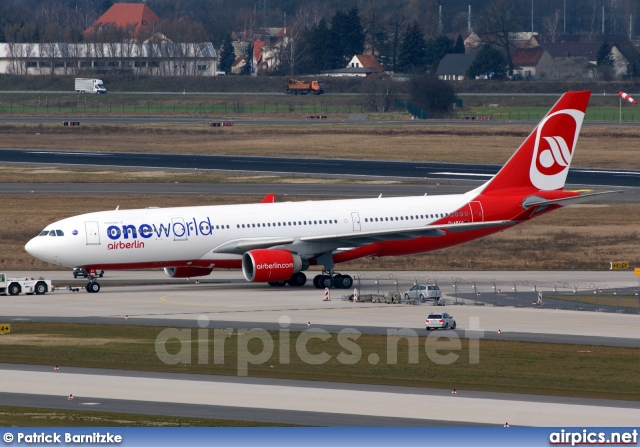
303,166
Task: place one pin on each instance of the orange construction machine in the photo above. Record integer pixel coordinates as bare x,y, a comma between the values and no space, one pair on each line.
297,87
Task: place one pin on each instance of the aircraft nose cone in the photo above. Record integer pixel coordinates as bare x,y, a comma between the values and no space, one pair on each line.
31,247
36,248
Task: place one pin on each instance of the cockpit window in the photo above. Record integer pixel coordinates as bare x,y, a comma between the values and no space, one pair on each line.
44,233
52,233
59,233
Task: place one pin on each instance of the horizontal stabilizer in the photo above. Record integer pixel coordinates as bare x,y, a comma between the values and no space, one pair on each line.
541,201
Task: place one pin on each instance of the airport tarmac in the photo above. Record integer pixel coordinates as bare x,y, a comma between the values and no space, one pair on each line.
227,301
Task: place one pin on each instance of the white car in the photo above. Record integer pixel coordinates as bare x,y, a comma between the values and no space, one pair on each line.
423,292
441,320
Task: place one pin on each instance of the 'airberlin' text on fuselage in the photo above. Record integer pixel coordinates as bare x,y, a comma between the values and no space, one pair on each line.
177,229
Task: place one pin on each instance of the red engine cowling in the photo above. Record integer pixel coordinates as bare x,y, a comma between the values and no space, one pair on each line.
187,272
270,265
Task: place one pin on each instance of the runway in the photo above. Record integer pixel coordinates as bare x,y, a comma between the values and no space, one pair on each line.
299,402
301,166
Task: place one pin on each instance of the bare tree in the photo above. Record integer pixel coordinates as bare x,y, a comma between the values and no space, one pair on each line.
397,24
500,18
292,48
552,26
309,15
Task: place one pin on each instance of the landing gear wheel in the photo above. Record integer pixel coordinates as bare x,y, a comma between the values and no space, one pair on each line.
297,280
343,281
316,281
93,287
325,282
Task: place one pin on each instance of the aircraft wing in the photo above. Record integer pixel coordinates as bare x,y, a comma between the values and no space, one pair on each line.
240,246
356,238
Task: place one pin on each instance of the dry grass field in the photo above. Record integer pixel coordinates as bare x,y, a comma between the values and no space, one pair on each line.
598,146
584,237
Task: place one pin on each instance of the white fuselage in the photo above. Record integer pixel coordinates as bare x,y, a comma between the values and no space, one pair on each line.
163,235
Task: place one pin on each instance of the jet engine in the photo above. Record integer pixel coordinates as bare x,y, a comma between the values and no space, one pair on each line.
270,265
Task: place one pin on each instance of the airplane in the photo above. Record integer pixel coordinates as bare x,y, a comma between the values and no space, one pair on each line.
275,243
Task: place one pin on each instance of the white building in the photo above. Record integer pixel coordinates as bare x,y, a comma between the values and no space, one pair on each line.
155,59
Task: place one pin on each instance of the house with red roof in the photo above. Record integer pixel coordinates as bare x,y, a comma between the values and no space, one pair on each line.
366,61
136,19
136,48
532,63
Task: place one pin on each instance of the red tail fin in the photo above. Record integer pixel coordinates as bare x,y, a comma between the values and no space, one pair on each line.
542,162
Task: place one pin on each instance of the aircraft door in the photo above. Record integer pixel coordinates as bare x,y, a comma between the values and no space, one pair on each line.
93,236
476,212
355,217
179,229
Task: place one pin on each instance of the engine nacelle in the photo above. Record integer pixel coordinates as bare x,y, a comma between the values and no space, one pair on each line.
270,265
187,272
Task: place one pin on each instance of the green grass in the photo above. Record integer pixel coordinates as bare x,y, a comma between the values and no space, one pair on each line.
86,105
517,367
537,113
11,416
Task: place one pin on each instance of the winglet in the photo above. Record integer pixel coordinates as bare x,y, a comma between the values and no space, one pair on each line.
269,198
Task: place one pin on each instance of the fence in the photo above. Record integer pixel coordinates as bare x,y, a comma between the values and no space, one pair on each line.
482,292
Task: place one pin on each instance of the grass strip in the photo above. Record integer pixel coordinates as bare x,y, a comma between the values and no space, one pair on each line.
504,366
38,417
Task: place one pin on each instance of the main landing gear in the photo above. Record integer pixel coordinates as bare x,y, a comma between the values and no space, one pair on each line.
297,280
337,281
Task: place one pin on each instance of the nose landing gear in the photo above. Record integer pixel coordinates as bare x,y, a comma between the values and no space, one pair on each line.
92,286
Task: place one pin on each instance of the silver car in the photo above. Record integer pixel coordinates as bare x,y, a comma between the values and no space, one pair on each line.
423,292
441,320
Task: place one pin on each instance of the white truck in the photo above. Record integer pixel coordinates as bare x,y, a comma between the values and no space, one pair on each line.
16,286
86,85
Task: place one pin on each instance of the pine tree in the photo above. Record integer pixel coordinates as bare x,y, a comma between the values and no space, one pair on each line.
248,60
458,47
488,61
412,55
227,55
603,57
437,48
347,37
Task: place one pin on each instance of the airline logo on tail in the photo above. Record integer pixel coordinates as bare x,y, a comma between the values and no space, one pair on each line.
555,142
